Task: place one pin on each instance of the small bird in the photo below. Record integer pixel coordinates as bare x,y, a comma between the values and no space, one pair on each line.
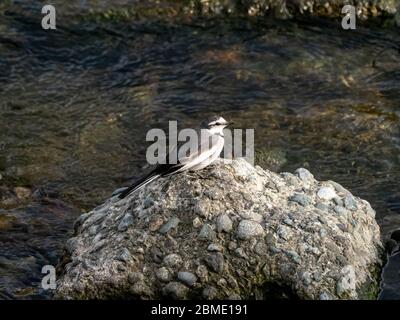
205,153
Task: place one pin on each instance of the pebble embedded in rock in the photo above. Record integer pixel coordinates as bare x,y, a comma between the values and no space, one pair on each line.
338,187
322,219
196,222
224,223
306,278
175,290
155,222
304,175
347,282
214,194
232,281
187,277
300,199
290,178
338,201
202,208
340,210
248,229
124,255
93,230
156,254
240,253
202,272
325,296
371,212
209,293
326,193
207,233
98,238
321,206
172,260
294,255
315,250
222,282
251,216
135,277
171,224
163,274
148,202
215,261
283,232
139,250
350,203
141,289
317,276
232,245
288,221
261,248
234,296
342,227
342,259
215,247
126,221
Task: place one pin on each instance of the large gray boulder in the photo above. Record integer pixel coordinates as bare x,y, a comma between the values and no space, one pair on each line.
229,231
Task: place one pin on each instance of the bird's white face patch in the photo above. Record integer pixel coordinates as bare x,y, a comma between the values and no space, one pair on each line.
219,121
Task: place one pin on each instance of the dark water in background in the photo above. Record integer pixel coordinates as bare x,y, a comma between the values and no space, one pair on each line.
76,103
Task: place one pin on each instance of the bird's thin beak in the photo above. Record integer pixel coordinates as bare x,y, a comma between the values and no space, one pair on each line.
229,123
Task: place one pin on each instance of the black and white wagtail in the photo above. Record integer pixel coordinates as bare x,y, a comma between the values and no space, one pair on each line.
202,154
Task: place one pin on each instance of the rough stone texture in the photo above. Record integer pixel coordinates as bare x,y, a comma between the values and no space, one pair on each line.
288,8
278,242
326,193
366,11
187,277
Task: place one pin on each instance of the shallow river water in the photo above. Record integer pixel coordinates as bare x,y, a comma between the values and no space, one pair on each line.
76,103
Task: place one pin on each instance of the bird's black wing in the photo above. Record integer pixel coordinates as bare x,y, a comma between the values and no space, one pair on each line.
160,171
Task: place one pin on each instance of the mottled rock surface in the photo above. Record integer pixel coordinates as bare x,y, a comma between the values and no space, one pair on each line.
288,8
230,230
365,10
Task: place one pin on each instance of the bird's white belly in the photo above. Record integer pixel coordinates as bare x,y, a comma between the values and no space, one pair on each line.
217,151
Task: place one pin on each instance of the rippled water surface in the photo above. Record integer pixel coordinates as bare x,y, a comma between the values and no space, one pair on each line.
75,105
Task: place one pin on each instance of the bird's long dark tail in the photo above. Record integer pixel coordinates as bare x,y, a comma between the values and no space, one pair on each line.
139,184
